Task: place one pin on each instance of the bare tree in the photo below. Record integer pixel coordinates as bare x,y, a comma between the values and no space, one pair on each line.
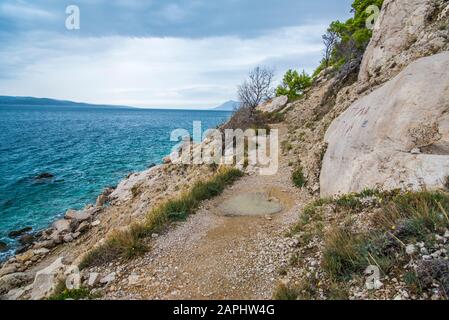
257,88
330,40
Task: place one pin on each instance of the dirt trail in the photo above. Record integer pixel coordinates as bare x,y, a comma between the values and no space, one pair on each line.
212,256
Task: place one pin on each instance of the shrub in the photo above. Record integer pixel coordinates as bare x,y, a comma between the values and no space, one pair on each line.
247,118
285,293
62,293
298,178
346,41
294,85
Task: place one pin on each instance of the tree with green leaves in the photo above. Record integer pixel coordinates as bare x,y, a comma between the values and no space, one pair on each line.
294,85
347,41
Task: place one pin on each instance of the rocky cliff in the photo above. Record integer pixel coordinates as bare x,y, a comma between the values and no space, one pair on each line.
382,123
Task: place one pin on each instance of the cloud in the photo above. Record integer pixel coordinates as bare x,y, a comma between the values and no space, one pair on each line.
152,71
24,11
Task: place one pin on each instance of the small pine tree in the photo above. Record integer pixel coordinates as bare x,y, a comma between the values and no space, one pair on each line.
294,85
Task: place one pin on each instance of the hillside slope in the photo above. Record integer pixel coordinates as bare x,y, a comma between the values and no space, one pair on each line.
313,248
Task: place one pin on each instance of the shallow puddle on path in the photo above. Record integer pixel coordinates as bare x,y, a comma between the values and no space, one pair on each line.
251,204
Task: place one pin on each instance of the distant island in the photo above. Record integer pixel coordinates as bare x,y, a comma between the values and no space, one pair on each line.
31,101
230,105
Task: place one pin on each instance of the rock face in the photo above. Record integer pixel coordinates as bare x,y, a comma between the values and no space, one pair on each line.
374,143
273,105
13,280
403,33
46,280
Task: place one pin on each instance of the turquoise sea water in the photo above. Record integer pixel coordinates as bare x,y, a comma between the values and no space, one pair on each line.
86,149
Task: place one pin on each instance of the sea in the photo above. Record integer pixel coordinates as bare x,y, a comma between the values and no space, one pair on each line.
82,150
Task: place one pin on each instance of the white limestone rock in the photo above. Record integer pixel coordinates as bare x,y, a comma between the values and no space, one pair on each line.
370,145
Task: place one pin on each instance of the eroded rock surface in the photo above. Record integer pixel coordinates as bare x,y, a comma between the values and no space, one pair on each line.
395,137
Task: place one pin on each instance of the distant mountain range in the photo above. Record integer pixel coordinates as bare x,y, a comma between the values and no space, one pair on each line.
30,101
228,106
46,102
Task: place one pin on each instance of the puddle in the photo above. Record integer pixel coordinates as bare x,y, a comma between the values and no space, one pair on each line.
251,204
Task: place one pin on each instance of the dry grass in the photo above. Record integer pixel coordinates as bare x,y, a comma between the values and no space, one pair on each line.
129,243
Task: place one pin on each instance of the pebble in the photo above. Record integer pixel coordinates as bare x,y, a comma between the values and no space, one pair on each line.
410,249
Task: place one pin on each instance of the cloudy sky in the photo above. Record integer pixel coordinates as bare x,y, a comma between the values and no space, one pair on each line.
156,53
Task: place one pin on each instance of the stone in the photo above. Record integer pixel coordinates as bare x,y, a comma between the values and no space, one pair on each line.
47,244
396,28
14,294
410,249
26,256
18,233
273,105
104,197
62,226
79,216
46,280
3,246
44,176
95,223
13,280
41,251
108,279
83,227
8,269
369,144
26,239
68,238
133,279
94,279
166,160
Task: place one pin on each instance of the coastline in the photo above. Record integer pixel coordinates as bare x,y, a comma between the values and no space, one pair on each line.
80,197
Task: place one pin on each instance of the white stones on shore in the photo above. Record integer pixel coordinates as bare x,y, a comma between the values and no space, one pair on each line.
46,280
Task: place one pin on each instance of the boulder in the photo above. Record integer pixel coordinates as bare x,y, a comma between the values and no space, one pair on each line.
41,251
372,144
8,269
79,216
83,227
67,238
44,176
47,244
104,197
26,256
96,223
18,233
274,104
63,226
396,29
26,239
3,246
13,280
47,279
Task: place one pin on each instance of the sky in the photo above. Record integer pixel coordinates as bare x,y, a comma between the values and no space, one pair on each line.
156,53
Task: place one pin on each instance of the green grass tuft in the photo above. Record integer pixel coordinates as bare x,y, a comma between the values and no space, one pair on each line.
298,178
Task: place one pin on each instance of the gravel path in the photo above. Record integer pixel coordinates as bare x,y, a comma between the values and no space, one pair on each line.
211,256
